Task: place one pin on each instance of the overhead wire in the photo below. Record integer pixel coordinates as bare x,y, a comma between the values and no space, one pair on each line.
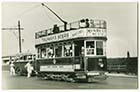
28,10
14,32
22,14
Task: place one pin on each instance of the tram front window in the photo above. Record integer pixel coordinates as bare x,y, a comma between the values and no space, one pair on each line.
99,47
90,46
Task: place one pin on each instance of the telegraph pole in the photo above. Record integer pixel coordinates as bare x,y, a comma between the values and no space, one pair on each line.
19,31
20,51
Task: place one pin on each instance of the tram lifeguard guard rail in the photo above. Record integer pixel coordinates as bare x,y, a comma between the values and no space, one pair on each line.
78,53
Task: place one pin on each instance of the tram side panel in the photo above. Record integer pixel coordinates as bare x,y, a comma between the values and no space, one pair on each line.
53,67
71,67
75,68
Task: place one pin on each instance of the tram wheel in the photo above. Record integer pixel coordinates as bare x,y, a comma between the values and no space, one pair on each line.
18,71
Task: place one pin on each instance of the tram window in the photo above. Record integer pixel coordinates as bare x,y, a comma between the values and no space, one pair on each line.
58,51
90,47
23,57
99,47
43,52
68,50
29,57
50,52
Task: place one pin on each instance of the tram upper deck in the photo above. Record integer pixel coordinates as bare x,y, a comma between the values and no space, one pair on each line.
78,29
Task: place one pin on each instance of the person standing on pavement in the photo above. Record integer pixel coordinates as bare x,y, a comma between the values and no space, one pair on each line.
29,68
12,69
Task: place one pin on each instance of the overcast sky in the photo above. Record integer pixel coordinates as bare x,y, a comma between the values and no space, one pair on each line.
121,23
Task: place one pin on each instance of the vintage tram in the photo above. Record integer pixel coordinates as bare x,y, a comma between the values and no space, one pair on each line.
20,60
75,53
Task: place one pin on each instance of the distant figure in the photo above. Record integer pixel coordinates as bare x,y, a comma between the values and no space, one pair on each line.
29,69
12,69
128,54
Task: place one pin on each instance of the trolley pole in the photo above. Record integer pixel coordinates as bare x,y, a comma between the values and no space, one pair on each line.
20,51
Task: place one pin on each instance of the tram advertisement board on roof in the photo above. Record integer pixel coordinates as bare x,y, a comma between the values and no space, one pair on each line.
85,32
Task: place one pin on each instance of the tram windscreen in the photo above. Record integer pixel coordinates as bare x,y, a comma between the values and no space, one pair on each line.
99,47
94,48
90,47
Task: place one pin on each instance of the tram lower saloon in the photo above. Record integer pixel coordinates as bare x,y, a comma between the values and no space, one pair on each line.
78,60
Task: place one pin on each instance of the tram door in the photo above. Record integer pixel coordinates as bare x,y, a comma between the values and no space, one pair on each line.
79,54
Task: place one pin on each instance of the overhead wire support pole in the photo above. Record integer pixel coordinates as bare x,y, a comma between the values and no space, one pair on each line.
65,23
19,31
20,51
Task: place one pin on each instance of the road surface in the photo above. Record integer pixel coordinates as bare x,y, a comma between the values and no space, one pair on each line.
22,82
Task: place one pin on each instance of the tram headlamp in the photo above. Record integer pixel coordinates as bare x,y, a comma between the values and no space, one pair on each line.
101,63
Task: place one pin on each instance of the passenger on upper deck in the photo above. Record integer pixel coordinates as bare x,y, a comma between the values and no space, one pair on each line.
87,23
84,23
55,29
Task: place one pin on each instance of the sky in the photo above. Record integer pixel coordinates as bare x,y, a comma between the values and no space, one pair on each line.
121,21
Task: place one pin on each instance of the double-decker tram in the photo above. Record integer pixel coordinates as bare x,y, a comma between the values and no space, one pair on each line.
75,54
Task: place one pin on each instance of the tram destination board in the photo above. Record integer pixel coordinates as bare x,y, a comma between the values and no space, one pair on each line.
85,32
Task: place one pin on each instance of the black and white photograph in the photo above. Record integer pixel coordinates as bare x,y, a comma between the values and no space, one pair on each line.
69,45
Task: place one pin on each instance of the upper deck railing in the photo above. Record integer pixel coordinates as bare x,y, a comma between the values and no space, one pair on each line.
84,23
